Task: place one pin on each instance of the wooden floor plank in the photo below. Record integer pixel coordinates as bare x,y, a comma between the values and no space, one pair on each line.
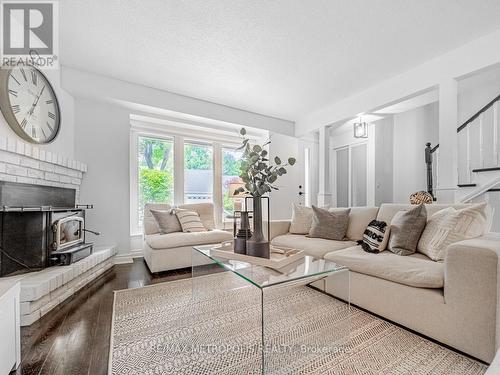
74,338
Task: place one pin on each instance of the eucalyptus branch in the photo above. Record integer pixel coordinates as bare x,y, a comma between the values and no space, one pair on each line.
257,172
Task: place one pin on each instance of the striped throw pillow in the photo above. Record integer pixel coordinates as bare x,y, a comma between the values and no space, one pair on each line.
190,221
375,237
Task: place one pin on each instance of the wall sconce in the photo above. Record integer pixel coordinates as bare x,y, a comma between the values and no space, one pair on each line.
360,129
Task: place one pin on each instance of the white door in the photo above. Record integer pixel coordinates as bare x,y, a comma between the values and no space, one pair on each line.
351,173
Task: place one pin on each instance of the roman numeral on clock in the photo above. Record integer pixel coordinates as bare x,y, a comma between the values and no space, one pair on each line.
33,132
13,93
50,127
52,116
49,101
24,123
16,108
34,77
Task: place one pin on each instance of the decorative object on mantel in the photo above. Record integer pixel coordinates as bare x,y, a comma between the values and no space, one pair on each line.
29,104
360,129
243,234
259,176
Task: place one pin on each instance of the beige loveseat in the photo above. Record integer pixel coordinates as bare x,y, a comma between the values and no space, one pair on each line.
454,302
163,252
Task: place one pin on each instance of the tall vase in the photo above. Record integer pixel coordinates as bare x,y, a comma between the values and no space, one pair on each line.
257,245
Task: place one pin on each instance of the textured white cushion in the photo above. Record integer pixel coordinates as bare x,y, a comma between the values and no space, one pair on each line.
206,212
316,247
179,239
190,221
450,225
388,210
414,270
301,219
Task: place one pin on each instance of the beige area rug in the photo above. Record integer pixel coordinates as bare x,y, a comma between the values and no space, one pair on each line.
215,328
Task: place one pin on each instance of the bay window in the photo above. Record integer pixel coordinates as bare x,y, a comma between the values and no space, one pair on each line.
198,171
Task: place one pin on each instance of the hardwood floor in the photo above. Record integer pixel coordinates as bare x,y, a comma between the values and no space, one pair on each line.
73,339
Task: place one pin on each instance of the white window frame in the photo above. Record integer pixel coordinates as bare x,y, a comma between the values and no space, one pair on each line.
179,141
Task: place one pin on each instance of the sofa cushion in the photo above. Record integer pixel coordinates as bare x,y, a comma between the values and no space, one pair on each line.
413,270
331,225
179,239
359,218
149,223
316,247
301,219
388,210
375,237
167,221
450,225
190,221
405,230
205,210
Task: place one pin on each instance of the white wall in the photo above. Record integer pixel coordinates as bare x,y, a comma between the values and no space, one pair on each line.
474,56
412,129
475,91
285,147
64,143
102,134
384,164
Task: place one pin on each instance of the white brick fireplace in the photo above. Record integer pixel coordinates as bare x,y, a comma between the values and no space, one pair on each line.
25,163
41,291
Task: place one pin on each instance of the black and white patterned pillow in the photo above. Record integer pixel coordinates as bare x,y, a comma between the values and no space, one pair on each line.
375,237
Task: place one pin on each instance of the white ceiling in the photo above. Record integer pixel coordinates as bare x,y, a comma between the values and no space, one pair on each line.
281,58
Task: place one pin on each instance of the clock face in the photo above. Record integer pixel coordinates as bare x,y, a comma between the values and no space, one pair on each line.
29,104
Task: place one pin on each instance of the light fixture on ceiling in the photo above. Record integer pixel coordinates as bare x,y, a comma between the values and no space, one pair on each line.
360,129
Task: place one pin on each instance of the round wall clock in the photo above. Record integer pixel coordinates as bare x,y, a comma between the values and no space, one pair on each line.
29,104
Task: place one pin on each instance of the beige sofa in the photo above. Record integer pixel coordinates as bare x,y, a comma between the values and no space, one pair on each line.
453,302
163,252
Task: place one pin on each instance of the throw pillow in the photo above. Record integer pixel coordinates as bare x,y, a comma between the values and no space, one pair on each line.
450,225
190,221
301,219
406,228
167,221
329,225
375,237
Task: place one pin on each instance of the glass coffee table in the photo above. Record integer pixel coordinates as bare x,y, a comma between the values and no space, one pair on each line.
273,314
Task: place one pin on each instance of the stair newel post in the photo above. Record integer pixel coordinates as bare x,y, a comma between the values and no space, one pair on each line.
428,162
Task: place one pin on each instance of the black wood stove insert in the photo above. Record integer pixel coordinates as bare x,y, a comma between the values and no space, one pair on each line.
40,226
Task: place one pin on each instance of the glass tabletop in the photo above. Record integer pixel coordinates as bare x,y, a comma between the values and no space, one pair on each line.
307,268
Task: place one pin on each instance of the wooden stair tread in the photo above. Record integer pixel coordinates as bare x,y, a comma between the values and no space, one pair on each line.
486,169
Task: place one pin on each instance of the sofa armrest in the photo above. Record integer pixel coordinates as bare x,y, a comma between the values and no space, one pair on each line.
471,260
279,227
471,276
